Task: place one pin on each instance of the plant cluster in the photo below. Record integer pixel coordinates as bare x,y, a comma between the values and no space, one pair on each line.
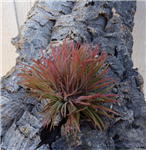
72,81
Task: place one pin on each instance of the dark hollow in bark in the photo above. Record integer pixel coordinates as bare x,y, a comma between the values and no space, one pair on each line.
47,136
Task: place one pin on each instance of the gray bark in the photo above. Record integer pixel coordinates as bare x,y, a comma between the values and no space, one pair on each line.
108,23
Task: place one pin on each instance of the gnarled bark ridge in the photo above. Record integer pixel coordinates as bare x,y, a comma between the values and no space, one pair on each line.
108,23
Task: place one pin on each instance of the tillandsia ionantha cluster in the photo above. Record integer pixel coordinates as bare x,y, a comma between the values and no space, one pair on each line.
72,83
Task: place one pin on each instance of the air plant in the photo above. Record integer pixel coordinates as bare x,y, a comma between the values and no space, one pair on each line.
72,81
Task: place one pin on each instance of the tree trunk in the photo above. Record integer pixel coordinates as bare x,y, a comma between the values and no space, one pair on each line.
108,23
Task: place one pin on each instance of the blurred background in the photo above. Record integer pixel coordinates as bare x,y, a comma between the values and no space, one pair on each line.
14,13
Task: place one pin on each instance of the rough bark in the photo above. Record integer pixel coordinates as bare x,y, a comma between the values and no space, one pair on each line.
108,23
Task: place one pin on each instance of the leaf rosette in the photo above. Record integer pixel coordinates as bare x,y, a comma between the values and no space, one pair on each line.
72,80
